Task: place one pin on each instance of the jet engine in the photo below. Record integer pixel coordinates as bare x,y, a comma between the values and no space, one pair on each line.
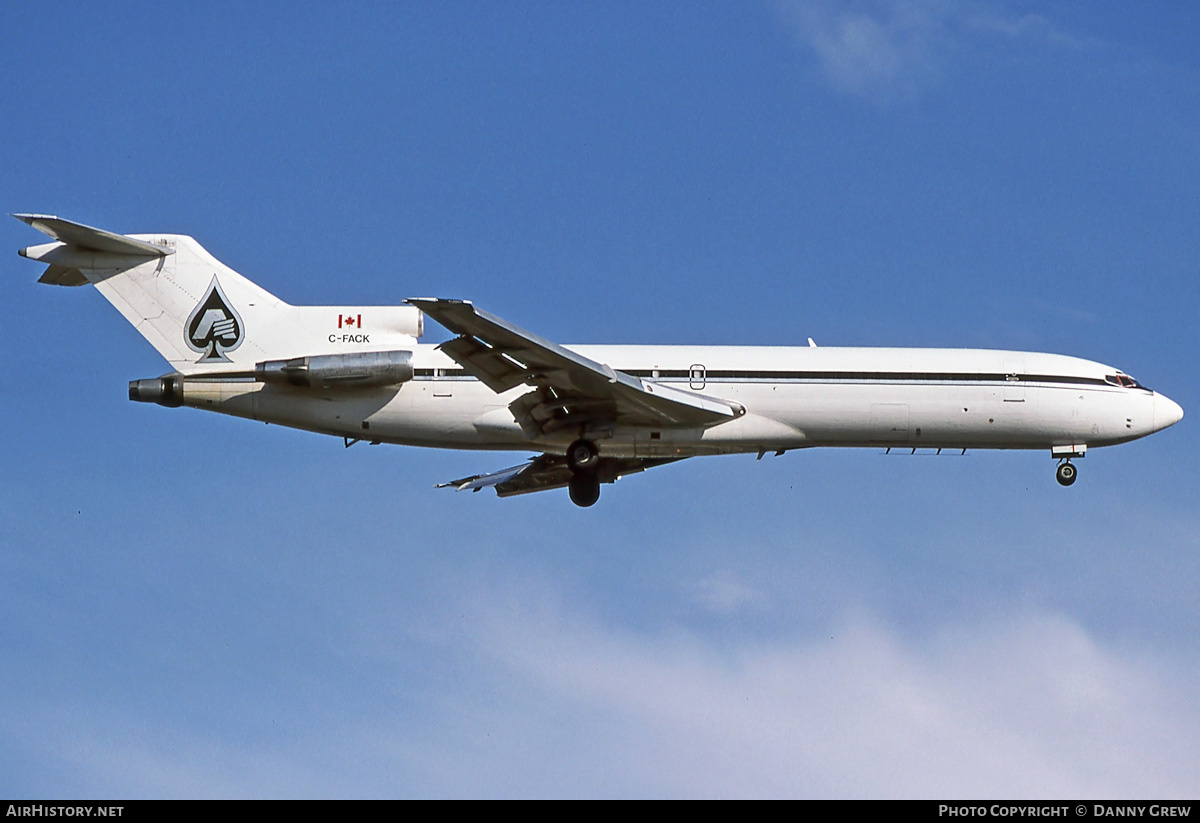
360,369
165,391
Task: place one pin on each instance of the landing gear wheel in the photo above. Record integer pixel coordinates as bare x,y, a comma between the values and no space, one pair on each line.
1066,473
585,490
583,457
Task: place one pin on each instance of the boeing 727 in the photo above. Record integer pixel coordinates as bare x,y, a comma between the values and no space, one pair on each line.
591,414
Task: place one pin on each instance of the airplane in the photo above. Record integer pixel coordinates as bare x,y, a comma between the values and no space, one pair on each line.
592,414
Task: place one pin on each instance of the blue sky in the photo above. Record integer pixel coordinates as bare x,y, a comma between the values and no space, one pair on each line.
207,607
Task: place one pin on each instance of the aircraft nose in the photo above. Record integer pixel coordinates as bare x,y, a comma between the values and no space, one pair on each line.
1166,412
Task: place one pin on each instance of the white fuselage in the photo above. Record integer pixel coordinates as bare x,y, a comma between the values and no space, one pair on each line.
608,410
793,398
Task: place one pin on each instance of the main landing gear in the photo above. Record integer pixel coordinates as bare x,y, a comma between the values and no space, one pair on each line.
583,458
1066,472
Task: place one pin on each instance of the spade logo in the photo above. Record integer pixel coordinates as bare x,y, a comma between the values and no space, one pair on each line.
213,327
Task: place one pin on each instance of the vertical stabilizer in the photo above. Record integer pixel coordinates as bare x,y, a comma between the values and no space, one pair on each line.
198,313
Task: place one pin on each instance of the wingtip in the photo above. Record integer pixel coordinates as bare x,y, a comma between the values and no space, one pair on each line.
444,301
457,485
29,218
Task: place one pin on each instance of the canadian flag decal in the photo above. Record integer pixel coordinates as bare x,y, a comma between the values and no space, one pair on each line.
350,321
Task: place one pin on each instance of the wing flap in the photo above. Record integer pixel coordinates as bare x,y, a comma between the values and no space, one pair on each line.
570,389
497,371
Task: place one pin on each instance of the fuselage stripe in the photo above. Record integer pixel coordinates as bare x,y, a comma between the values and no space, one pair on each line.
714,375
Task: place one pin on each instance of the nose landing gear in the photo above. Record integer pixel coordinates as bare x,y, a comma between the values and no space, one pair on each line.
1066,472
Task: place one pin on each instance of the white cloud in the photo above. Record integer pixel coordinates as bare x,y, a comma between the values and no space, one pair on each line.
530,695
897,48
724,593
1030,708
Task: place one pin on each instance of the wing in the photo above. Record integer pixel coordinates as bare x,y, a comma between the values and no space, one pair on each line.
549,472
569,389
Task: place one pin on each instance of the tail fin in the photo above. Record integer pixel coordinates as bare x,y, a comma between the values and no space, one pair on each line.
199,314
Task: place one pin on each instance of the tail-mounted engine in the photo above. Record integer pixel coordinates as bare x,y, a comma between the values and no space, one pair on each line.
361,369
322,371
165,391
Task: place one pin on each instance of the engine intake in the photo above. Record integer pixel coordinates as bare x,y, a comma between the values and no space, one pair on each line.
381,368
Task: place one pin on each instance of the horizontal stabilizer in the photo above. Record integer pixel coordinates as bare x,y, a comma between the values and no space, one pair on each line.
88,238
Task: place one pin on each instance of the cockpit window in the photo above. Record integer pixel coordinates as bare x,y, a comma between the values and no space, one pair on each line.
1122,380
